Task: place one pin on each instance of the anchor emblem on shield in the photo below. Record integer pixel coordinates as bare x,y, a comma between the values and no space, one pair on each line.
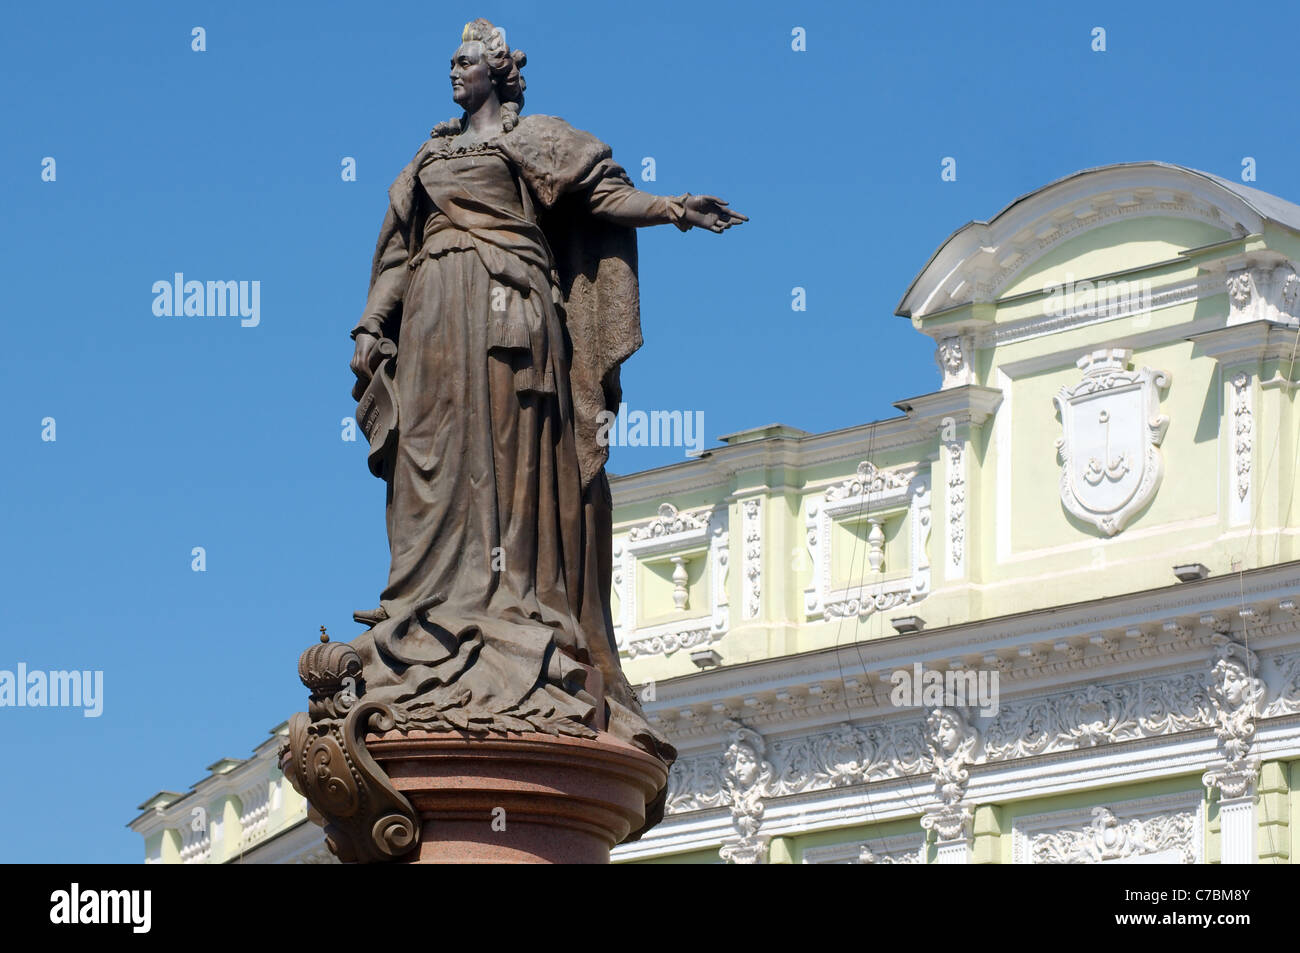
1112,429
1120,464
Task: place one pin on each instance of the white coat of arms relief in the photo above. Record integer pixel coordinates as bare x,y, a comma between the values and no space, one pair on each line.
1112,429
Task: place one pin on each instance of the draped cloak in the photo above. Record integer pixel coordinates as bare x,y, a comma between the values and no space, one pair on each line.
451,666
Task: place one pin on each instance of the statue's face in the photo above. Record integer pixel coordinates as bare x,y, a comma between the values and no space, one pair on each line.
746,764
948,735
471,80
1234,684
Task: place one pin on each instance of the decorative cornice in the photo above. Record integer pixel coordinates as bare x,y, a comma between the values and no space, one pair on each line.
721,467
1111,308
1246,343
968,403
1117,635
978,261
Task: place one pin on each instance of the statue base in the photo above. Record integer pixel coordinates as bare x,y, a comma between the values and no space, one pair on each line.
387,790
518,798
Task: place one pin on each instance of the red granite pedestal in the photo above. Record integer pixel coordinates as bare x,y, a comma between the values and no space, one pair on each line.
518,798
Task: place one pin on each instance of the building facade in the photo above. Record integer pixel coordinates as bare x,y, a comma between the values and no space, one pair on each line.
1050,613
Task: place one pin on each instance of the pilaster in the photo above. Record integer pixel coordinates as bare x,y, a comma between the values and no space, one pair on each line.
1274,814
990,825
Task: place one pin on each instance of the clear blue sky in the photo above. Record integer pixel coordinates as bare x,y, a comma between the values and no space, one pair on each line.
175,433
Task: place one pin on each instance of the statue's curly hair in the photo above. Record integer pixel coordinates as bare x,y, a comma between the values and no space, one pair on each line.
504,64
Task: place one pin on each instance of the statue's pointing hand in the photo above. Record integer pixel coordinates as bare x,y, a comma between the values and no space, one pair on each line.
711,212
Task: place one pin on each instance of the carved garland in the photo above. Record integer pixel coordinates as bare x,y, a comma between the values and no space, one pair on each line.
752,520
1096,716
946,744
1163,829
1243,425
956,506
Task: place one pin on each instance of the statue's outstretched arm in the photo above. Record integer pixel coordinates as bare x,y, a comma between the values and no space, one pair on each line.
612,196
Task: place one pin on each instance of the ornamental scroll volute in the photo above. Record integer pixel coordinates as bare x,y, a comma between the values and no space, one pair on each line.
1112,429
366,819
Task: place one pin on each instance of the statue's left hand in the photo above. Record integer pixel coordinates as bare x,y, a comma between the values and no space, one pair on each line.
711,212
361,362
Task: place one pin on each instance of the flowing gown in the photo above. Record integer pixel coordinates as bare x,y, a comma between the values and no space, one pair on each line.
499,580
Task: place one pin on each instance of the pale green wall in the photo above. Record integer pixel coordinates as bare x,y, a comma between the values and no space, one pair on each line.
1123,246
1034,554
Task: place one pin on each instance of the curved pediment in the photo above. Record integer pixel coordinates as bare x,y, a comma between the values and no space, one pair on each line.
1131,214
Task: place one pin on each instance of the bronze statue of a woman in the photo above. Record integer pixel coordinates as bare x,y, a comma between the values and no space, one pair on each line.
503,298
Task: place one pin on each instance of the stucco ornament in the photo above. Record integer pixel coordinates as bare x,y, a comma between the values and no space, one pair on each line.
1108,838
747,776
1112,429
1236,693
952,740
